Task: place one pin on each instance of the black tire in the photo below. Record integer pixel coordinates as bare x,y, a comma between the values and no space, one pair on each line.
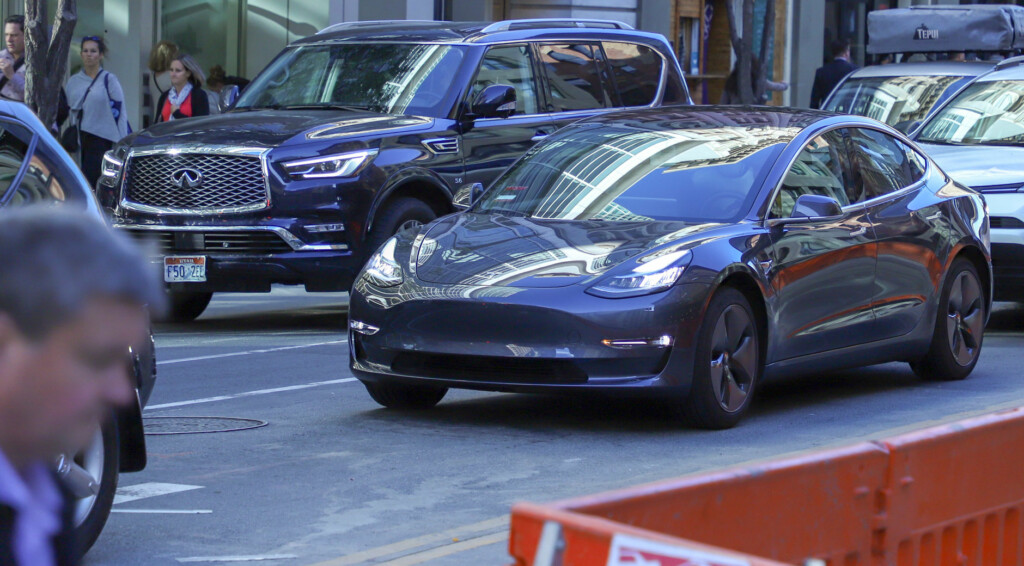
959,327
100,459
186,306
401,213
403,396
727,365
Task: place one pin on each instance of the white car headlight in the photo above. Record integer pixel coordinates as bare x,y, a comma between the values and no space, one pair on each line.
383,270
649,276
110,168
331,166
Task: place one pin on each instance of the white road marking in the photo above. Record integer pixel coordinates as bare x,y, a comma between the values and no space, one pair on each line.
249,394
248,352
150,489
165,511
253,558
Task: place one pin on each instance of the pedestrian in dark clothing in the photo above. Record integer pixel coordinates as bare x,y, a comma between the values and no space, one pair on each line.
186,97
73,298
828,76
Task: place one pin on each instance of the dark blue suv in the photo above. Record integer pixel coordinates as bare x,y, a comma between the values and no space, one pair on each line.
360,130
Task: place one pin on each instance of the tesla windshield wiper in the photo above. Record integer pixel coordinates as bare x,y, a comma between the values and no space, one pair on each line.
505,212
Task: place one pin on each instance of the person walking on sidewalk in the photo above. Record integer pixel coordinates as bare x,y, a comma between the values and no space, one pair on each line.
73,298
12,60
97,107
828,76
186,97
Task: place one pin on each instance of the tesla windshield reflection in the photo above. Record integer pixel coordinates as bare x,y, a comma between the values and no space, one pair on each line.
894,100
390,78
619,173
985,113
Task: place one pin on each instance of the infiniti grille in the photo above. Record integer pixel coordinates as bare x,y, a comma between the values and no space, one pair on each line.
224,182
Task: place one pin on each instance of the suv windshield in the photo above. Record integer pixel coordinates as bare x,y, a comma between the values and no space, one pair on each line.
389,78
894,100
985,113
617,173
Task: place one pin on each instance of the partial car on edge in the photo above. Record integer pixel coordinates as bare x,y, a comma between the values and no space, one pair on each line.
35,169
978,138
684,254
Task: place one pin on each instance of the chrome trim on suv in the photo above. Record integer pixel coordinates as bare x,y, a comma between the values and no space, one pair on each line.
202,149
289,238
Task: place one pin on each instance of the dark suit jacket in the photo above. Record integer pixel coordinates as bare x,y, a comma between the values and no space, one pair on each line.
65,548
827,77
200,105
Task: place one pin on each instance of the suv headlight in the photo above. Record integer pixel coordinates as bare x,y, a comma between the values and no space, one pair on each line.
331,166
650,276
111,168
383,270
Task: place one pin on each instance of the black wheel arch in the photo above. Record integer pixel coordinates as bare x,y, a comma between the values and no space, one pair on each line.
132,437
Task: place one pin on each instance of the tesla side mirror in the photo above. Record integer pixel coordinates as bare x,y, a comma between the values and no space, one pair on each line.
228,95
816,206
495,101
467,195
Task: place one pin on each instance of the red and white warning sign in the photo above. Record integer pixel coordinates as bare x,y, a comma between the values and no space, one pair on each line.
632,551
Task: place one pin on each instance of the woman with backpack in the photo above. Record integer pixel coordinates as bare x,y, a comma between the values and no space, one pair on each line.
97,113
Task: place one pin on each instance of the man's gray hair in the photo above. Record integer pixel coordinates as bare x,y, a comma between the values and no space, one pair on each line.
54,260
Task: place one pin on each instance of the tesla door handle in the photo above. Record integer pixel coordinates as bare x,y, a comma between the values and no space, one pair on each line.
539,135
859,231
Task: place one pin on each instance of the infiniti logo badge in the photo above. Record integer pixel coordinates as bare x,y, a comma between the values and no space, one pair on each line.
187,178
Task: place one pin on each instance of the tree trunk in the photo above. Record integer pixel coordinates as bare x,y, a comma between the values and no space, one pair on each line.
743,47
46,58
767,41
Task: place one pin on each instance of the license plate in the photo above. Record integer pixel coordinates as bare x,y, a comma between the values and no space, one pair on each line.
185,269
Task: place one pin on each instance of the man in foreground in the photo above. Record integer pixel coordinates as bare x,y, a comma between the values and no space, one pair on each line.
73,299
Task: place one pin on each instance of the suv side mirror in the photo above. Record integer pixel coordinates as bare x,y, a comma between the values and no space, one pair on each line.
816,206
228,96
467,195
495,101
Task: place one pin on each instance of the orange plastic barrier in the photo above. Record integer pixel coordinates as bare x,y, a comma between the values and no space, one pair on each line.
948,495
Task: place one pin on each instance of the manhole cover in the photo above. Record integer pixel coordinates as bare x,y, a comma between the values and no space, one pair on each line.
197,425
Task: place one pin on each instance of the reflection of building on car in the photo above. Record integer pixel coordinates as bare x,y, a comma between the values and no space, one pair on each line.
35,169
682,254
977,138
360,130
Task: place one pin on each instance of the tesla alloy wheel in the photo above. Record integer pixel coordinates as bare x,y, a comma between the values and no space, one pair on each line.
959,327
727,365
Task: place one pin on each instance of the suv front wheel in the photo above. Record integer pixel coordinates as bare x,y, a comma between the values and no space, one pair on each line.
400,214
186,306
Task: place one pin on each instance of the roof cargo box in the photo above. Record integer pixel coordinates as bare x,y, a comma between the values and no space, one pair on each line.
976,27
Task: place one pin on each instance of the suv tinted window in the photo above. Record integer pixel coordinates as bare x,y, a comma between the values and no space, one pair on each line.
636,71
820,169
574,77
881,163
510,65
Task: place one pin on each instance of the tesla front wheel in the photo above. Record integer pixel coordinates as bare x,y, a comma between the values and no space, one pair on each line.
959,327
727,364
403,396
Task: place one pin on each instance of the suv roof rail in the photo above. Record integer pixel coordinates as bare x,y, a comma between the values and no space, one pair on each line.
555,22
1010,62
369,23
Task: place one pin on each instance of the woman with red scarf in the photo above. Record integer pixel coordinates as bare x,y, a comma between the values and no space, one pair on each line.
185,98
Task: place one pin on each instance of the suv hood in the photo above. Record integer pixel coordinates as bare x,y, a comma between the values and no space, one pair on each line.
272,128
979,166
496,250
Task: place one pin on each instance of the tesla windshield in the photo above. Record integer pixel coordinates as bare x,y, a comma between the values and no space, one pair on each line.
620,173
894,100
390,78
985,113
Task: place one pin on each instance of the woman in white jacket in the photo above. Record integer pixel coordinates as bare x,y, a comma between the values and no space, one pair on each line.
96,103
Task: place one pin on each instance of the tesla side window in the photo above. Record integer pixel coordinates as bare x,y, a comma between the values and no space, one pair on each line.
574,77
882,163
13,148
820,169
636,70
508,65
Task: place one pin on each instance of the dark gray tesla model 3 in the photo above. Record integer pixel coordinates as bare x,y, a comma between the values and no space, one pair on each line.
687,253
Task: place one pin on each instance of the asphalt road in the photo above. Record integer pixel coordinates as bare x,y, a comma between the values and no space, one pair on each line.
332,477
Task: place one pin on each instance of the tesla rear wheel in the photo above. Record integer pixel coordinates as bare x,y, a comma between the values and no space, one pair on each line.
91,477
959,327
727,365
403,396
186,306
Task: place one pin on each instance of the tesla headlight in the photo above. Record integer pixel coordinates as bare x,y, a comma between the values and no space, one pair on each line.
383,270
650,276
331,166
110,168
